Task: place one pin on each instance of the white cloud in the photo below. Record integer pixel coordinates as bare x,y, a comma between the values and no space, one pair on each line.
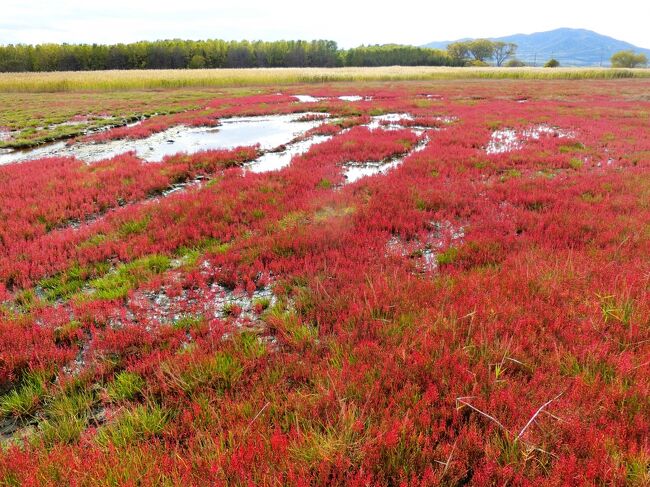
349,23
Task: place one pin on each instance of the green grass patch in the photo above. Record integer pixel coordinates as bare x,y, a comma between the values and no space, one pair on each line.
324,184
590,197
575,163
510,174
190,254
325,442
94,241
67,417
188,323
133,227
22,402
26,300
291,326
447,257
637,469
135,425
614,309
249,345
70,282
117,284
571,147
590,369
218,372
261,304
125,386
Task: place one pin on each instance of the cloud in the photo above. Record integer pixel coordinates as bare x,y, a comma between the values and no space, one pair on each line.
348,23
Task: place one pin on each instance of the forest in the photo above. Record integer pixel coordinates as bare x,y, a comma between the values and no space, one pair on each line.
182,54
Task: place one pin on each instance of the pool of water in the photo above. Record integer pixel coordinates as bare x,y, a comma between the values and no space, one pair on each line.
273,161
507,139
267,131
355,171
314,99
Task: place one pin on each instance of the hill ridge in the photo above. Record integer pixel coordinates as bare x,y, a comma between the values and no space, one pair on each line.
570,46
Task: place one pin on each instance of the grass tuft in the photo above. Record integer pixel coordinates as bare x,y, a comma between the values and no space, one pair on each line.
126,386
135,425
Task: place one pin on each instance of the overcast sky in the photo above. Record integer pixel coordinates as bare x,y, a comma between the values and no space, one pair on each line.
347,22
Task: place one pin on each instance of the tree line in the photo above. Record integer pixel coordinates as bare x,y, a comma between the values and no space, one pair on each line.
182,54
215,53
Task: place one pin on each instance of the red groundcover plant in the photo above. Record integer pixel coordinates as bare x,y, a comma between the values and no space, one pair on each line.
463,316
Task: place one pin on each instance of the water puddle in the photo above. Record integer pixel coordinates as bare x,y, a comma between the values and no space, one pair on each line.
356,170
399,121
307,98
503,140
389,121
5,134
507,140
314,99
354,98
7,156
273,161
267,131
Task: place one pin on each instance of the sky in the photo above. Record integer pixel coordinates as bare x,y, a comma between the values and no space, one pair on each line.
347,22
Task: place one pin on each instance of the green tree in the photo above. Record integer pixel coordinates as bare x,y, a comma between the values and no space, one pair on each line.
552,63
395,54
458,51
628,59
503,51
481,49
197,62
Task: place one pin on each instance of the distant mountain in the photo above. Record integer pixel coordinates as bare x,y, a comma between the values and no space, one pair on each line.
572,47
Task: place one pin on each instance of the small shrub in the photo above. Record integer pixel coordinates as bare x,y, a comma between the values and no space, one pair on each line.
515,63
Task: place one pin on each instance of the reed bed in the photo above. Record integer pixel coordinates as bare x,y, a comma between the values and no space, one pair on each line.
160,79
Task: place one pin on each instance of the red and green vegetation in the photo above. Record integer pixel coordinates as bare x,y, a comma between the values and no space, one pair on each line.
477,315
